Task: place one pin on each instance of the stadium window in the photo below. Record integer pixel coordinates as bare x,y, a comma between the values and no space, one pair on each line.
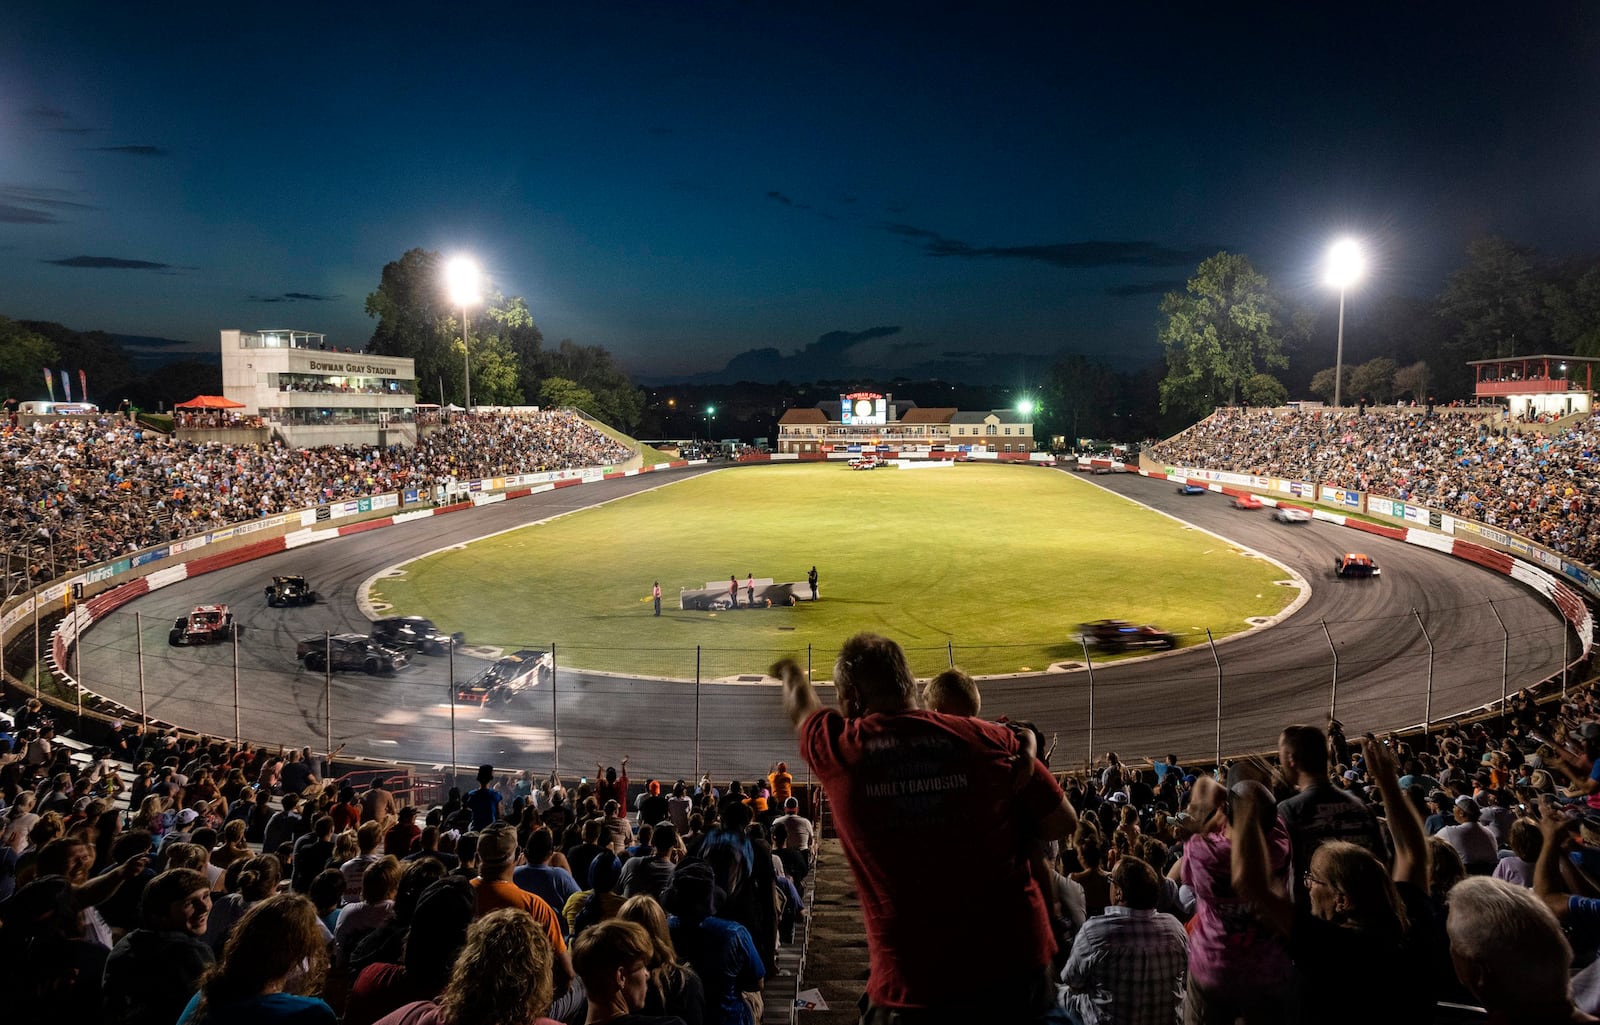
1008,430
989,429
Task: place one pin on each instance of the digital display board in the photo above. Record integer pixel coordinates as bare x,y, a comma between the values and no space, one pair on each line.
863,409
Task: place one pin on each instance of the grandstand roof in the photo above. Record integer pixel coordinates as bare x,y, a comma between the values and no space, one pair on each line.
974,416
811,415
928,415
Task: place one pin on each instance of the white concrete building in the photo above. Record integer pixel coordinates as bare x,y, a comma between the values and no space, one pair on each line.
311,393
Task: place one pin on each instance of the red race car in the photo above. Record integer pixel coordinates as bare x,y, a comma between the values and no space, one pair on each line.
1246,502
207,624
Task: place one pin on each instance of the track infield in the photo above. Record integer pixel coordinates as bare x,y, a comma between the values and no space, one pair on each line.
1000,563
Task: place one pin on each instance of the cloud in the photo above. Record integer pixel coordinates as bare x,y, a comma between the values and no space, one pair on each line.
295,297
134,151
108,263
53,119
794,204
1071,255
1137,288
20,204
828,356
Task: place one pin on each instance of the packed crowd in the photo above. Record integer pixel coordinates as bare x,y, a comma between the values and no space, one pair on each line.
77,492
1459,867
1543,486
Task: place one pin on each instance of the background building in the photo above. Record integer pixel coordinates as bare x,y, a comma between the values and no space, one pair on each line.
873,420
310,393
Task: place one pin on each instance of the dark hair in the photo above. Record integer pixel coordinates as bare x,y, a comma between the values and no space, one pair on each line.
1140,886
1310,747
166,889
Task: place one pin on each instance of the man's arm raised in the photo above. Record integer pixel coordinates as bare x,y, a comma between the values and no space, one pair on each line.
799,697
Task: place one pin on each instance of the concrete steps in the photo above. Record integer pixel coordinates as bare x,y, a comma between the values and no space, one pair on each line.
835,957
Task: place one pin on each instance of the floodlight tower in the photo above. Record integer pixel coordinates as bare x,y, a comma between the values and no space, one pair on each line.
1345,267
462,278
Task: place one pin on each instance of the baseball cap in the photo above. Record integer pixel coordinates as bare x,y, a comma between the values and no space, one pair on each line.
1468,805
1119,798
1351,775
187,816
792,802
1438,797
497,843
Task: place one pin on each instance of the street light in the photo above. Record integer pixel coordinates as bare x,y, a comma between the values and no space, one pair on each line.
461,275
1025,407
1345,266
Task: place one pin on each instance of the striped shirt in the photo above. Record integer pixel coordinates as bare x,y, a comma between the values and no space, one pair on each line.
1127,968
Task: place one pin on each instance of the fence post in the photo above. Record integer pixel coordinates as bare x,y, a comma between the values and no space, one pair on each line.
77,660
1505,661
327,683
36,648
138,638
1333,698
1565,641
697,706
452,688
1427,708
1218,660
238,734
808,660
1088,662
555,726
950,649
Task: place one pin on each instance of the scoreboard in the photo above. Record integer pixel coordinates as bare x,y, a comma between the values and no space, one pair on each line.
863,409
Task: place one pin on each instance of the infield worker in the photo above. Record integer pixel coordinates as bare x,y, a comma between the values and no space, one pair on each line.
811,578
655,593
750,590
733,590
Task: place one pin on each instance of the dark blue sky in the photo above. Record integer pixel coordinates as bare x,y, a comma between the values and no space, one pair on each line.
869,187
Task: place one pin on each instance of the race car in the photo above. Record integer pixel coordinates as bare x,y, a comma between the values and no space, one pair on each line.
1246,502
207,624
868,462
1191,489
1121,635
290,590
349,651
1355,564
503,681
1291,514
416,633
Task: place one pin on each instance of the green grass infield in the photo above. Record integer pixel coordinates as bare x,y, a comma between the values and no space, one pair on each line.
1000,563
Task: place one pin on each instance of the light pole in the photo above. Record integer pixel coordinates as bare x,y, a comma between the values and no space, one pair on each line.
711,413
461,276
1345,265
1026,409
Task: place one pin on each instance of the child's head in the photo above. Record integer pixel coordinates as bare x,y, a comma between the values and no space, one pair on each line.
953,693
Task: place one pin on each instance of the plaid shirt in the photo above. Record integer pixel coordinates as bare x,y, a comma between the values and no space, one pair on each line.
1127,968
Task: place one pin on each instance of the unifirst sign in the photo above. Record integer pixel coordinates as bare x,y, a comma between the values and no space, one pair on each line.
351,368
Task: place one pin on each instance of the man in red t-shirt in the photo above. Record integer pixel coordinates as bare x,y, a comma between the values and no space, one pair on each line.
608,786
902,782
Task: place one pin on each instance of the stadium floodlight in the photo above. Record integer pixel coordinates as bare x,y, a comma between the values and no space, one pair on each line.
1346,264
462,279
1026,407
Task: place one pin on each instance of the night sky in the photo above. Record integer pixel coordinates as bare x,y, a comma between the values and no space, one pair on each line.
804,189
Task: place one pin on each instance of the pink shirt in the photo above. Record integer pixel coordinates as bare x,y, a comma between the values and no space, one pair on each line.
1230,949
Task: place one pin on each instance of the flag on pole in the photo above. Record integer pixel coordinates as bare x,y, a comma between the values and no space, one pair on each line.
66,385
83,386
50,382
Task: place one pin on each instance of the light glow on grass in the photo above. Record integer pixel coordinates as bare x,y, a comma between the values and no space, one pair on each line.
1002,562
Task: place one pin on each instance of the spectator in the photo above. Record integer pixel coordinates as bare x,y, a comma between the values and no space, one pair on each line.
674,989
312,853
428,847
401,836
497,851
1472,841
438,932
1319,811
608,786
651,875
379,884
282,828
387,942
953,692
484,802
1526,844
327,893
652,805
501,977
799,832
367,838
1004,796
780,782
722,952
615,832
679,806
257,880
346,813
551,884
275,956
378,805
1129,964
154,970
598,903
1509,951
47,963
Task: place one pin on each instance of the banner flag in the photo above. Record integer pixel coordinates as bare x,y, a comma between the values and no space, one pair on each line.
50,382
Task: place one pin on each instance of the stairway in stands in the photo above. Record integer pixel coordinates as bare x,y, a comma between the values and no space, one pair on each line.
834,960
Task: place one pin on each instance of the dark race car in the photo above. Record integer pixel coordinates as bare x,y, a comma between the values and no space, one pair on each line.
1355,564
503,681
349,651
290,590
207,624
1121,635
1191,489
415,633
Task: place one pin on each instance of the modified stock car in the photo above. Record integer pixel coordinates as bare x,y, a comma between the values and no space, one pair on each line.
416,633
868,462
1121,635
207,624
290,590
1291,514
349,651
503,681
1191,489
1246,502
1355,564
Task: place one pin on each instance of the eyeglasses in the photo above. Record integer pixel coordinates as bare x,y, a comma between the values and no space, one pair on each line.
1308,880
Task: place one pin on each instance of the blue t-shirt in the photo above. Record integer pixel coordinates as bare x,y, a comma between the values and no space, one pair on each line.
271,1009
722,953
548,883
485,807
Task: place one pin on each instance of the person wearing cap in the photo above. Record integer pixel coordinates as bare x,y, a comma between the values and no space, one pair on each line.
898,778
1470,838
1440,807
484,801
653,807
497,857
1319,811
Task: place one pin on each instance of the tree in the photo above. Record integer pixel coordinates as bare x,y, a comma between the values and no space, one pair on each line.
514,323
23,354
1413,380
1575,315
563,393
1373,380
1495,302
1225,327
494,373
1264,390
1080,394
1322,383
415,320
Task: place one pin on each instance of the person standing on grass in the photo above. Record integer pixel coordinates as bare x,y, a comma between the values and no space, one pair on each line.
655,593
811,578
750,590
733,590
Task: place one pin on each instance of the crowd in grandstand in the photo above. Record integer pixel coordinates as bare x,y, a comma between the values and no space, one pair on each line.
1544,486
158,879
81,491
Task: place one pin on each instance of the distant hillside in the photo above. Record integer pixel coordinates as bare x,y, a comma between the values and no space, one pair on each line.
147,353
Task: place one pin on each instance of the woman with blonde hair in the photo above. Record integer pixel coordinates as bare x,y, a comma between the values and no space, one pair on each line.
674,987
152,815
273,959
501,977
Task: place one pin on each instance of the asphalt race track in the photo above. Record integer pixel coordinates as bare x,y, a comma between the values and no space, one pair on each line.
1270,677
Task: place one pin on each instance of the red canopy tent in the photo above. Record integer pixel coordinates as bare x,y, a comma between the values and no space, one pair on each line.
210,402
